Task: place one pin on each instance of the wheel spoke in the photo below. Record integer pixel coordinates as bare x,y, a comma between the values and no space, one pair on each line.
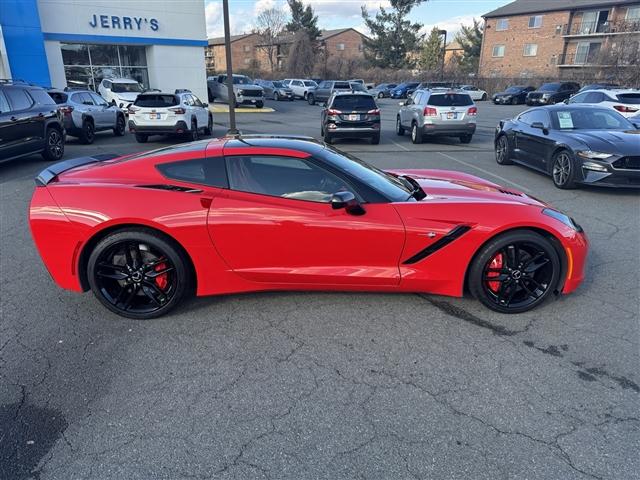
536,266
129,300
128,256
512,259
157,273
533,259
155,289
114,276
117,268
150,294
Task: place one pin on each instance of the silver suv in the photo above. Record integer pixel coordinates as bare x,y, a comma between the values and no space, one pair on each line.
85,113
449,113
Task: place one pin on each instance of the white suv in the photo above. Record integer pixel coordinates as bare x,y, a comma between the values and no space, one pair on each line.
301,87
179,113
624,101
120,91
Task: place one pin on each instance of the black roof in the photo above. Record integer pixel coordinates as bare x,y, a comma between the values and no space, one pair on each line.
523,7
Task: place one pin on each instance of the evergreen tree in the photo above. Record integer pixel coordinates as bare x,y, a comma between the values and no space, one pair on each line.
394,36
432,51
470,39
303,18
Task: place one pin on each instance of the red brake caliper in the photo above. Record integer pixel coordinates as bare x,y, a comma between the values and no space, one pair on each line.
497,264
161,280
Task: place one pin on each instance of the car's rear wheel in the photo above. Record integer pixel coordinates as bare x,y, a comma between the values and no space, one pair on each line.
514,101
259,104
193,132
416,133
138,274
503,154
209,129
328,138
380,95
142,137
119,129
515,272
87,133
311,99
466,138
375,140
484,97
276,96
54,145
563,170
399,127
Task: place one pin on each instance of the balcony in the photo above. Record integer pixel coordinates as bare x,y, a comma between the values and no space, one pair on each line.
596,59
584,29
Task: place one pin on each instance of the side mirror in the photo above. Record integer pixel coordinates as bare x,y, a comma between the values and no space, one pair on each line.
348,201
566,101
113,102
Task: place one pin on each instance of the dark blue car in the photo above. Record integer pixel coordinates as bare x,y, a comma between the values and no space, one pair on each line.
401,91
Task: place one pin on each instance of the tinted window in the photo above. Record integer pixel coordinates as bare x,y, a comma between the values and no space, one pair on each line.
342,85
4,105
18,98
550,87
514,89
535,116
156,101
354,102
580,98
287,177
41,97
450,100
83,98
126,87
205,171
58,97
309,83
589,119
417,98
594,97
98,100
632,98
278,85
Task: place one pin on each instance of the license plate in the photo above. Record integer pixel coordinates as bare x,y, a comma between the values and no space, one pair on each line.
452,115
353,118
154,116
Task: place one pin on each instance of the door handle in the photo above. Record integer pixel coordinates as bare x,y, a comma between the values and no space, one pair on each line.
41,115
14,119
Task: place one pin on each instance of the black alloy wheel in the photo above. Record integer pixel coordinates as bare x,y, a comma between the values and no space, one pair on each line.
119,129
562,170
515,272
88,132
138,274
54,147
502,151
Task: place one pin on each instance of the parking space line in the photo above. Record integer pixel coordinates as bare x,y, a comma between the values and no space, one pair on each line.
400,146
518,186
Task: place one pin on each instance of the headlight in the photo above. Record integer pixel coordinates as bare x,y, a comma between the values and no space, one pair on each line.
546,95
561,217
240,92
594,155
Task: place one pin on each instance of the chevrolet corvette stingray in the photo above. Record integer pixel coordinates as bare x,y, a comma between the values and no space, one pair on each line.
257,213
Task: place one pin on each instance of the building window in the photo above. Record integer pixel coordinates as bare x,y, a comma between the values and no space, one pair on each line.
633,13
247,48
535,21
86,65
360,47
502,24
340,46
498,51
530,49
247,61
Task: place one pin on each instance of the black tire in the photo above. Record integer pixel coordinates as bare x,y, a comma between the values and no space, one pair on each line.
87,132
210,96
304,96
209,128
311,99
276,97
142,137
54,145
259,104
380,95
399,127
416,133
503,152
466,138
328,138
120,127
129,292
375,140
563,170
514,101
194,134
526,268
484,97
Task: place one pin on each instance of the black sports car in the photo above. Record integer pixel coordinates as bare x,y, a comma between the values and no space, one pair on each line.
575,144
512,95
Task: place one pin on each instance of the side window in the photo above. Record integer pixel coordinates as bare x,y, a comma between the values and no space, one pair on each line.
4,104
286,177
205,171
540,116
594,97
580,98
41,97
85,99
186,99
196,101
18,99
527,117
98,100
417,98
106,84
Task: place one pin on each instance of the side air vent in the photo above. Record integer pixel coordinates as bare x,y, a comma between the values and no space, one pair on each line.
507,192
173,188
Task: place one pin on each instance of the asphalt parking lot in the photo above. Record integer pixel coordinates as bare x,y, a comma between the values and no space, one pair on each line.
326,385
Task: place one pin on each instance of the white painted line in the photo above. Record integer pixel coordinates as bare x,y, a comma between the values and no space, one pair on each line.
400,146
486,172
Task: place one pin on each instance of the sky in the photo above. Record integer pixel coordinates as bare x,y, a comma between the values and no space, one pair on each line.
446,14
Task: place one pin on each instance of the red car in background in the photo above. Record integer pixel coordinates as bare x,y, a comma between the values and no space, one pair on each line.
282,213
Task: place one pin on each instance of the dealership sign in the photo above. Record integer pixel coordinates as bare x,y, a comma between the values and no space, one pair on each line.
123,22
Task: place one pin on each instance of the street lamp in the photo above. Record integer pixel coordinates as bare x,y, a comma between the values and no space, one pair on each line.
227,50
444,51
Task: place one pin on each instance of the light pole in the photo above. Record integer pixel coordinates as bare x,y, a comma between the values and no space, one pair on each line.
227,50
444,52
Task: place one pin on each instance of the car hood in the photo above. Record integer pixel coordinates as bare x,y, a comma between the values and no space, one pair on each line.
618,142
464,188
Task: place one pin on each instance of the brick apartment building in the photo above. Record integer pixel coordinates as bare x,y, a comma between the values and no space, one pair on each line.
247,52
560,38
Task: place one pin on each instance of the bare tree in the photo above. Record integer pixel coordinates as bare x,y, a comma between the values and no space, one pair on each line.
270,24
302,56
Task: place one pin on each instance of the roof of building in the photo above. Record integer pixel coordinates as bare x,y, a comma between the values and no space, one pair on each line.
523,7
234,38
286,37
325,34
454,45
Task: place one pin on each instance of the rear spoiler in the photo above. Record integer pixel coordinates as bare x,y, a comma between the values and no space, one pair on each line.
48,174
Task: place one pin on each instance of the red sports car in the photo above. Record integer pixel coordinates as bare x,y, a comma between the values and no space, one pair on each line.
278,213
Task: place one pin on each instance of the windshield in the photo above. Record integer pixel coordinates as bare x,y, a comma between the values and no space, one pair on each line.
549,87
385,183
238,80
358,87
156,101
278,85
514,89
354,102
589,119
630,98
126,88
310,83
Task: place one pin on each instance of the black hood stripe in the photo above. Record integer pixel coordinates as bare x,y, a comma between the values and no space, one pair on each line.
453,234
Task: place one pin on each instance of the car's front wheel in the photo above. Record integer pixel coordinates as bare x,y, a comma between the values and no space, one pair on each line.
311,99
119,129
193,132
142,137
209,129
54,145
466,138
276,96
502,151
515,272
87,133
484,97
563,170
416,133
259,104
380,95
399,127
138,274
